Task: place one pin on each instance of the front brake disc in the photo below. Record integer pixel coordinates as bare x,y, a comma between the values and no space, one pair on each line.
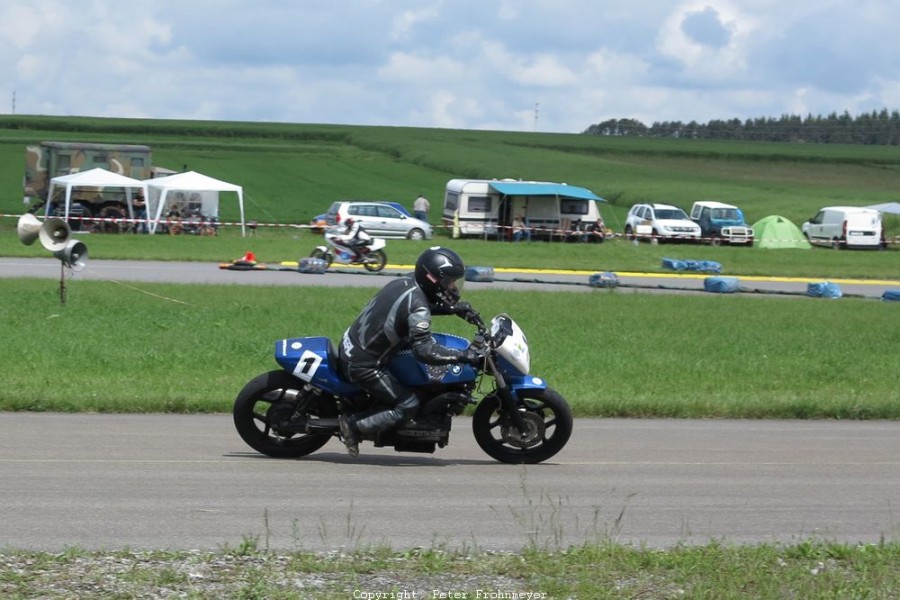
532,436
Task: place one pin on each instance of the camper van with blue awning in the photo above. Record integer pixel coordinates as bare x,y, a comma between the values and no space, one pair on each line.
488,207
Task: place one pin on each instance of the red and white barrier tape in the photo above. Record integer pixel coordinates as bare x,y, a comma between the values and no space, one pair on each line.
507,230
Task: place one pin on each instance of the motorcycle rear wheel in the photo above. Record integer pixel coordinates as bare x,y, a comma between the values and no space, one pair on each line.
256,407
549,425
375,261
326,256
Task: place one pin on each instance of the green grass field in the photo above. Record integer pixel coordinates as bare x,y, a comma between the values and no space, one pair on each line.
181,348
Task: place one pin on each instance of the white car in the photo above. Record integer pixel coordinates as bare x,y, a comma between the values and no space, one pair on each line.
663,222
379,219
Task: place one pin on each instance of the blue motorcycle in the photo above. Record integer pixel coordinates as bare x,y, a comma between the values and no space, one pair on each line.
293,411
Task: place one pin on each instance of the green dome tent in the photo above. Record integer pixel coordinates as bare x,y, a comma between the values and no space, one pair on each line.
775,231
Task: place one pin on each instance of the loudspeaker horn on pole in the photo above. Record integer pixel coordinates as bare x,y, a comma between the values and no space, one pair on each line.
74,254
28,228
54,234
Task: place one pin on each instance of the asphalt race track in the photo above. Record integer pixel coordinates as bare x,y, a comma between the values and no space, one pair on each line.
98,481
575,281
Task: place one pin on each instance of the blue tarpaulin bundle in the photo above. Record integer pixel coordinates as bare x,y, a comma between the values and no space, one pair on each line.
891,296
479,273
722,285
703,266
312,265
606,279
825,289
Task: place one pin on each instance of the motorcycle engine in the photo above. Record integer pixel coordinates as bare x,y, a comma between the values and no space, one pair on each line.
423,434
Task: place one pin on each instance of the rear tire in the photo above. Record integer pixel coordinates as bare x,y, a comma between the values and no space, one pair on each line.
549,420
377,260
262,403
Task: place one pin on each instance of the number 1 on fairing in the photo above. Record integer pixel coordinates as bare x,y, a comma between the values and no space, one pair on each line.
307,365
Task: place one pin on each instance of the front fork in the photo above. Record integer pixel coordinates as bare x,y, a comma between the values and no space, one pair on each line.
507,399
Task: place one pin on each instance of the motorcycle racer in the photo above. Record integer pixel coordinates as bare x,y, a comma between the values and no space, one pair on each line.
399,317
354,236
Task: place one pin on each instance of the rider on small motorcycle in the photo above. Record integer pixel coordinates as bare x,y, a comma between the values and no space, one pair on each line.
354,236
399,317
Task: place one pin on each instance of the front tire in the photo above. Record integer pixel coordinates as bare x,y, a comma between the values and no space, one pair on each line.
375,261
415,234
268,399
549,425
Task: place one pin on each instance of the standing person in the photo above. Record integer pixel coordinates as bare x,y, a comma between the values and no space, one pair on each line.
398,318
421,207
139,203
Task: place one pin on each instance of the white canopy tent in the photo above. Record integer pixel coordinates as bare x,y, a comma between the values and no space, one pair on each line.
97,178
188,192
887,207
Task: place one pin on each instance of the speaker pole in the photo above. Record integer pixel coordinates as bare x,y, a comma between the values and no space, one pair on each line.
62,283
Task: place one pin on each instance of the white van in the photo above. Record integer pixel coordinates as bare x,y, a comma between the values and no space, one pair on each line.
487,207
845,227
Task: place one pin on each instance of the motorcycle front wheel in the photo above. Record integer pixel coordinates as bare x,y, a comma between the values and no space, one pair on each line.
270,399
326,256
548,421
375,261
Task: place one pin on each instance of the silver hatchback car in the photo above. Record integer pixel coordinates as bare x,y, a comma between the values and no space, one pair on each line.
379,219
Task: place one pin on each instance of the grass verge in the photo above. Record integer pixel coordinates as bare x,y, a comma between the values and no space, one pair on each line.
181,348
811,569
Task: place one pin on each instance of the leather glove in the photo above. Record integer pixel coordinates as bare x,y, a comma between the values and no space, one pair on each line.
462,307
465,311
471,356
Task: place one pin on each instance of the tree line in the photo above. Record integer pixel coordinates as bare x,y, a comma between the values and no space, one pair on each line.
874,128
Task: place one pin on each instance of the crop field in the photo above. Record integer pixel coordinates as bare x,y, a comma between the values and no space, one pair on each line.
291,173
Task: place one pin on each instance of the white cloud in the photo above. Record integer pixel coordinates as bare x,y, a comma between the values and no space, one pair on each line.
709,38
409,19
464,64
418,70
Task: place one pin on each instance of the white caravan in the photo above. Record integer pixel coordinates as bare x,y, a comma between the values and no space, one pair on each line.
487,207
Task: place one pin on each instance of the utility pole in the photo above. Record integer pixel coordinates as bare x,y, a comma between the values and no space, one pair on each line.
14,103
536,111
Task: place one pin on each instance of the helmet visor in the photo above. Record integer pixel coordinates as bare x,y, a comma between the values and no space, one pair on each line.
454,289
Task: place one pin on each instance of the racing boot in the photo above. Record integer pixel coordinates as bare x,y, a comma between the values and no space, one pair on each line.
350,435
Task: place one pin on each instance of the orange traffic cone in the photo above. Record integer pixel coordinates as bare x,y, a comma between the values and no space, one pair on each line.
248,260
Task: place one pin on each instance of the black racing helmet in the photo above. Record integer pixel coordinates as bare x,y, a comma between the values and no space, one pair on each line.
437,271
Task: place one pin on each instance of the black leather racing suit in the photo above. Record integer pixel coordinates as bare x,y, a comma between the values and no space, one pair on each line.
397,317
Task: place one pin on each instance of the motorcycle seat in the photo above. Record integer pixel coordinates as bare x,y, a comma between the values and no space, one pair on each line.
334,359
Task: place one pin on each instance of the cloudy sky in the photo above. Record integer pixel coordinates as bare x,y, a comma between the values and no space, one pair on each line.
518,65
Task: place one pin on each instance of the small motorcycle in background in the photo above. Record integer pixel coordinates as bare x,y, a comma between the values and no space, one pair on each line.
371,256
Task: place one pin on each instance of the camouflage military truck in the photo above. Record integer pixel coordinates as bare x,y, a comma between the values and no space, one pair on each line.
52,159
